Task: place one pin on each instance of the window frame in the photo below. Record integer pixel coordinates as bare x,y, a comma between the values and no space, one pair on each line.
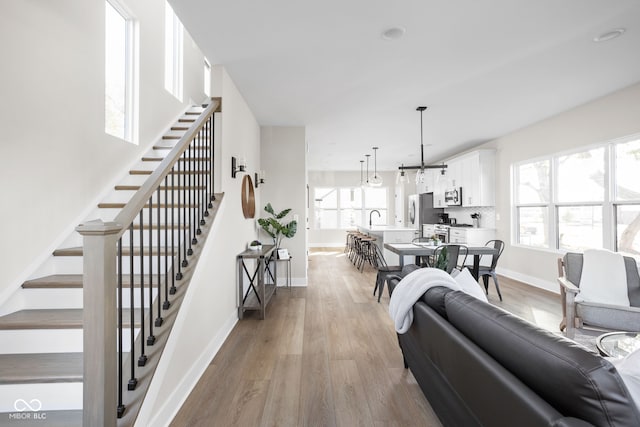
608,205
174,53
130,132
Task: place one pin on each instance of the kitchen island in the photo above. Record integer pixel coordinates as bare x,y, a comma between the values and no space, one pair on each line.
390,234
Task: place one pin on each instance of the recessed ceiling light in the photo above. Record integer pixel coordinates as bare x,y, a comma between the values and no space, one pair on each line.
393,33
609,35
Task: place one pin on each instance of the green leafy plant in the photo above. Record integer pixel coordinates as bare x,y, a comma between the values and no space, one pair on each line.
443,259
276,228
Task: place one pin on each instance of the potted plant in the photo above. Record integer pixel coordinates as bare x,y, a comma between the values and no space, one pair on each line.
275,227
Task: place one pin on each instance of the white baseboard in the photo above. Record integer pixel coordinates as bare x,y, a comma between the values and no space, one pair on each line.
179,395
529,280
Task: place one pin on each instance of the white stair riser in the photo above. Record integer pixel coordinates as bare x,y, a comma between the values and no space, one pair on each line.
48,396
30,299
73,265
24,341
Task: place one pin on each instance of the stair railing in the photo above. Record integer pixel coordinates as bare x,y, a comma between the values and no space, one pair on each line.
165,216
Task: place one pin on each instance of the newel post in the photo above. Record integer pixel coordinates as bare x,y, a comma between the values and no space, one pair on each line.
99,322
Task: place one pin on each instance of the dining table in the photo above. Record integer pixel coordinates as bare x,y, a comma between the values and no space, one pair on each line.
425,250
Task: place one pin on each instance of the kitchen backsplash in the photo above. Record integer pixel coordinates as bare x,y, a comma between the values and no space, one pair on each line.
463,215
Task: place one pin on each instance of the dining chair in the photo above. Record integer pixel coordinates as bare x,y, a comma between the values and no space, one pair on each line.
422,261
384,270
448,257
488,266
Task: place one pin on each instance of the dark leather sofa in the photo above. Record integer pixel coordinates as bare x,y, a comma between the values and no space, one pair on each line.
478,365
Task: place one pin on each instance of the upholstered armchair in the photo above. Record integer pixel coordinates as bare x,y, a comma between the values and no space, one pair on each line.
591,314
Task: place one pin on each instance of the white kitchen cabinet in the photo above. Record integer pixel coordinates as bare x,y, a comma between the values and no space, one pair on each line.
471,236
477,178
428,230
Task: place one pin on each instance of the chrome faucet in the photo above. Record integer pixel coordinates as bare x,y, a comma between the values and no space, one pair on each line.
371,213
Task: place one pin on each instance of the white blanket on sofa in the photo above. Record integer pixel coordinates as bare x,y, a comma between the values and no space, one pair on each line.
415,284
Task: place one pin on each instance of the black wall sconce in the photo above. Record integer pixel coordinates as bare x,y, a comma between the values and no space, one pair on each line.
259,178
237,165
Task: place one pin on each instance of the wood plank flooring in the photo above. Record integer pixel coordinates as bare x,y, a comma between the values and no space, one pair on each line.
327,355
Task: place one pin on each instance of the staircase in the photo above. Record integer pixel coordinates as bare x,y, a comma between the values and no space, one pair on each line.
150,231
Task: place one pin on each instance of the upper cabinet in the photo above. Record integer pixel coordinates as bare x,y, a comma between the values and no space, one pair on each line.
477,178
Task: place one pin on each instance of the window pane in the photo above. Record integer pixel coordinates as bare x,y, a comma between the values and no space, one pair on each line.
327,218
627,161
207,78
533,182
115,72
326,198
581,176
579,227
628,229
350,198
375,198
533,225
350,218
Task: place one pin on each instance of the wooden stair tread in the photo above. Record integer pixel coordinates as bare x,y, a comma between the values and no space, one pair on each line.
162,187
120,205
170,147
69,418
78,251
72,281
39,368
182,159
61,318
180,172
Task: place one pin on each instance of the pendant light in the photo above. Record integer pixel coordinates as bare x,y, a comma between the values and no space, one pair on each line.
376,181
361,166
421,176
367,156
402,177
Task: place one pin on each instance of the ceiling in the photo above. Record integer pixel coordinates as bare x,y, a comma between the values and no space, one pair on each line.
484,68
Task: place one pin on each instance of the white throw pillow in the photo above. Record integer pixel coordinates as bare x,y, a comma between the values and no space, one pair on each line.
468,284
604,278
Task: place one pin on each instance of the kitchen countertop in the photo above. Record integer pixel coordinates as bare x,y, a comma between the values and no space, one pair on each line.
382,228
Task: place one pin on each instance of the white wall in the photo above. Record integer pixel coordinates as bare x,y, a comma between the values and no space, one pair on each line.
209,310
607,118
284,154
56,157
332,238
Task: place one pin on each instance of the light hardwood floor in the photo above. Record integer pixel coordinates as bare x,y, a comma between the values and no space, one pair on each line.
327,355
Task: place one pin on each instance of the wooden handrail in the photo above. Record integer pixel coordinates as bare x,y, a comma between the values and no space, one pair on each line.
137,202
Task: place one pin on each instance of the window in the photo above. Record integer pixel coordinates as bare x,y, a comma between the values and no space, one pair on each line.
580,196
207,78
349,207
532,203
173,39
584,199
627,197
120,70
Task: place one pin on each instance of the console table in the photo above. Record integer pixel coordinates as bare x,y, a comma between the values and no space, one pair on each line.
259,292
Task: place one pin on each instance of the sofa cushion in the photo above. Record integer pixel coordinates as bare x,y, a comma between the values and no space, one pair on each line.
576,382
610,316
434,298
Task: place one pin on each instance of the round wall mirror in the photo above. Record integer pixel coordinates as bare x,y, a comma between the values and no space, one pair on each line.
248,197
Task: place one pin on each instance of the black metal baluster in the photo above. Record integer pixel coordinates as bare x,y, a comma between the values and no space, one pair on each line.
192,235
202,205
121,406
205,164
151,339
177,207
142,360
185,238
133,381
159,319
211,156
166,243
194,192
173,233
